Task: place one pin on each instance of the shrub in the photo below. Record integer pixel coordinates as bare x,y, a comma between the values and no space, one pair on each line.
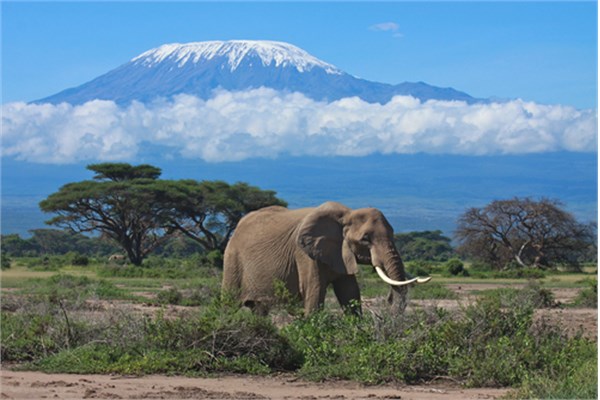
588,296
46,263
220,338
5,262
78,259
455,267
169,296
533,293
201,294
419,268
488,344
580,383
215,259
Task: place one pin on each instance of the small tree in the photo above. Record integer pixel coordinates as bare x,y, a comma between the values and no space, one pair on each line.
121,203
528,232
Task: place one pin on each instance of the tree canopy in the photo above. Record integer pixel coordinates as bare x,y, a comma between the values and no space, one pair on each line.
137,210
120,203
117,172
209,211
528,232
425,245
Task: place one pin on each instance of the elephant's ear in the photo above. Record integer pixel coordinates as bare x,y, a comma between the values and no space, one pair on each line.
321,237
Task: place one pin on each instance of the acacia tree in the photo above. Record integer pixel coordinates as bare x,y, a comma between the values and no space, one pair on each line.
121,203
131,206
208,211
531,233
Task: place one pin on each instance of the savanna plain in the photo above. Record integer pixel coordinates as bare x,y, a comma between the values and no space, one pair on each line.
109,330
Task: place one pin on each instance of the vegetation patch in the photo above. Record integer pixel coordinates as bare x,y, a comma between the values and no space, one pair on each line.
588,296
493,342
72,289
533,293
486,345
431,291
221,338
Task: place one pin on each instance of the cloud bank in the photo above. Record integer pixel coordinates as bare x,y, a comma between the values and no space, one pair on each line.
233,126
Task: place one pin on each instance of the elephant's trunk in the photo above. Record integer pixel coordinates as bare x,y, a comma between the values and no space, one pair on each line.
390,268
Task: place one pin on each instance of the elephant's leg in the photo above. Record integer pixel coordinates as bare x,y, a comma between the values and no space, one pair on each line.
314,289
348,293
314,298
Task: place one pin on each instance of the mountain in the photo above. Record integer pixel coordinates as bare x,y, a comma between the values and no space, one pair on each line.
201,67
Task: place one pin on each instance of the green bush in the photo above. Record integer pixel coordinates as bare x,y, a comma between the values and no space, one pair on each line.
78,259
201,294
5,262
533,293
169,296
588,296
478,266
46,263
419,268
215,259
456,267
490,344
580,383
220,338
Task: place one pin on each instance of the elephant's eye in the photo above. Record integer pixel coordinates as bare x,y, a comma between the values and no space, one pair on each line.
366,238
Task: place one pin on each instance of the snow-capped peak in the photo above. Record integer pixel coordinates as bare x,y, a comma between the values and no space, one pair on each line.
280,53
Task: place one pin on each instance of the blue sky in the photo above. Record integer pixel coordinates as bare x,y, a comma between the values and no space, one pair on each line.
542,52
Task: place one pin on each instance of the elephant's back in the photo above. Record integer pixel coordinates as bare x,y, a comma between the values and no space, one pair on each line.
268,222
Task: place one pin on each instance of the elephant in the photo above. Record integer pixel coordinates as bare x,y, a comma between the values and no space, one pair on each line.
307,250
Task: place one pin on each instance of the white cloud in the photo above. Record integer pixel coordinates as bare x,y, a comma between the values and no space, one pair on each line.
386,26
266,123
392,27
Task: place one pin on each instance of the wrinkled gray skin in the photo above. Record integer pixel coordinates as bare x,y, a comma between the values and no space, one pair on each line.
309,249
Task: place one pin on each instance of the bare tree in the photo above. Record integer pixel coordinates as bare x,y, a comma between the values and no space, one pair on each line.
531,233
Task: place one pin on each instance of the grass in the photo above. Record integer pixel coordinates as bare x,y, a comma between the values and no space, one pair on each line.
488,343
47,324
219,338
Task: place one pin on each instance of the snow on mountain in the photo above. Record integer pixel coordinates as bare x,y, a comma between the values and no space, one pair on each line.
201,67
235,51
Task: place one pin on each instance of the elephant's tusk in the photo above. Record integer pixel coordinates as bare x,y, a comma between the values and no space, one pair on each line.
392,282
423,280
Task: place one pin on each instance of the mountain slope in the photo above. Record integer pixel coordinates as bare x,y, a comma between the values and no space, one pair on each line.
201,67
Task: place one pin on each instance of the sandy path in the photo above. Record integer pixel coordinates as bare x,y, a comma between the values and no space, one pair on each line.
35,385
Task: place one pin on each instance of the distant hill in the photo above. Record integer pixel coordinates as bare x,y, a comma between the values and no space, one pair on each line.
416,192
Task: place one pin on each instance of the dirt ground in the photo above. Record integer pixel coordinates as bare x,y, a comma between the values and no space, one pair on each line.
36,385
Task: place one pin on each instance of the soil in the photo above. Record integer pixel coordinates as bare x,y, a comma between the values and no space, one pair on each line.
36,385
